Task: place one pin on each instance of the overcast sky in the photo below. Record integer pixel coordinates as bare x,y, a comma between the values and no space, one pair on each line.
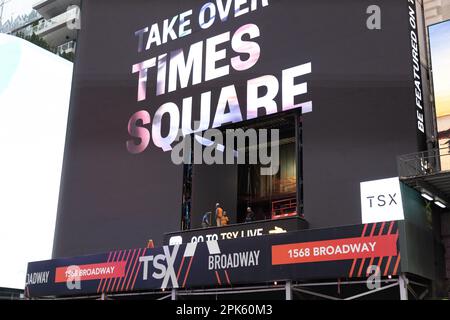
13,8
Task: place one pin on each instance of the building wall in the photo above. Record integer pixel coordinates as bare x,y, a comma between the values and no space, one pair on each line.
436,11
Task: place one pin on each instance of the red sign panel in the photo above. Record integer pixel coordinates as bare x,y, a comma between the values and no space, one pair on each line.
90,271
333,250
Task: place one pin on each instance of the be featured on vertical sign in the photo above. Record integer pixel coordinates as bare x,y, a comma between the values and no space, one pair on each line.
381,200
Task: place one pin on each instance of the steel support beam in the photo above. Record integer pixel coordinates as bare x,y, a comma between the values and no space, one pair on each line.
371,292
173,294
322,284
288,288
316,294
423,295
219,292
403,285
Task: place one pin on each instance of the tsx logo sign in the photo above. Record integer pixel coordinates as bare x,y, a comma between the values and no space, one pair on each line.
163,271
381,200
162,266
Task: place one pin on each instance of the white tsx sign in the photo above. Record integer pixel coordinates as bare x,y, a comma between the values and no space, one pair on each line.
381,200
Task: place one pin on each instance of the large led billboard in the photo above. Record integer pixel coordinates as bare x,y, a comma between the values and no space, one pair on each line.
146,69
34,102
440,57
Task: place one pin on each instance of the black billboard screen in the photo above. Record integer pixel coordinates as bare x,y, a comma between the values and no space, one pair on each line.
147,70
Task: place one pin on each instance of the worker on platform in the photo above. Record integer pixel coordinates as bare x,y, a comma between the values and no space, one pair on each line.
219,214
224,220
250,215
206,220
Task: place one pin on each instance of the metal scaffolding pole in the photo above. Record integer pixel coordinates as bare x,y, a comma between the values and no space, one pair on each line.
403,285
288,287
173,294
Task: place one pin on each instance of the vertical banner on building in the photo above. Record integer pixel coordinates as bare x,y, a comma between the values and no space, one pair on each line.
417,73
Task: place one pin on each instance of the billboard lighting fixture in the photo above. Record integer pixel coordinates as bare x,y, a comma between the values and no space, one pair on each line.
426,196
440,203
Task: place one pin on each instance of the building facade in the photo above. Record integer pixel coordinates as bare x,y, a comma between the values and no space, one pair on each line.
56,22
60,23
118,192
436,11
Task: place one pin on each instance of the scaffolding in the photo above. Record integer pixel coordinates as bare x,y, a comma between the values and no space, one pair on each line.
401,287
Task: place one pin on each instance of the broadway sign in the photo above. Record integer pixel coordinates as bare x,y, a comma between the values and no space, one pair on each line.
301,255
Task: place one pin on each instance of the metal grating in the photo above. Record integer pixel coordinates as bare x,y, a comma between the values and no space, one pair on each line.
426,170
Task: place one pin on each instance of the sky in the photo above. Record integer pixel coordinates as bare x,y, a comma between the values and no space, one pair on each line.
440,57
13,8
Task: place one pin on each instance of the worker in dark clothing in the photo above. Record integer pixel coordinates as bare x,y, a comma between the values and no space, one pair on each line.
206,220
250,215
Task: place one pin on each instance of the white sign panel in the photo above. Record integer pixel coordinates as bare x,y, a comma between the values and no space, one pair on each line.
34,102
381,200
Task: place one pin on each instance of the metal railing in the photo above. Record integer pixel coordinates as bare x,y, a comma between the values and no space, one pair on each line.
25,31
66,47
65,17
424,163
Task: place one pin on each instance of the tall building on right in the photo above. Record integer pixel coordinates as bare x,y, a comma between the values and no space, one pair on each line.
436,11
437,19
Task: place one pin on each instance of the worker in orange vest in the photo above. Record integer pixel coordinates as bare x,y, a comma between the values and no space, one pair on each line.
219,214
225,220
